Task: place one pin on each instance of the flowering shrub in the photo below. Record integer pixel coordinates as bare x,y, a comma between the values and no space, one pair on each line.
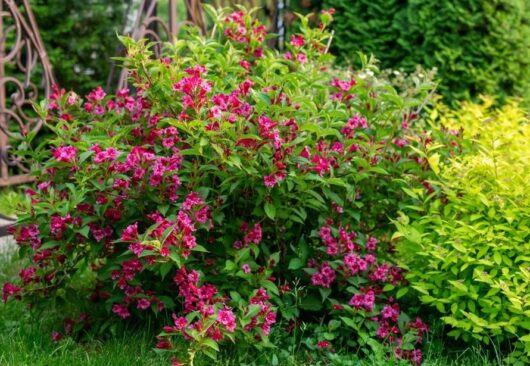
231,176
466,247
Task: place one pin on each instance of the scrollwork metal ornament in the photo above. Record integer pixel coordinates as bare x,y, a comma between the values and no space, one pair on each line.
22,54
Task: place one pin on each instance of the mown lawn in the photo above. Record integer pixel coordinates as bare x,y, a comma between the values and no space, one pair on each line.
26,341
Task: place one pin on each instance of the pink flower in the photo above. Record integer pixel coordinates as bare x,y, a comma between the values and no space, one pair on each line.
400,142
245,64
253,235
121,311
366,301
246,268
65,154
180,322
321,164
136,248
191,200
269,180
96,94
56,336
390,312
109,154
143,304
297,41
227,318
371,243
10,290
305,153
343,85
416,357
130,233
27,274
323,344
72,98
302,58
324,277
337,147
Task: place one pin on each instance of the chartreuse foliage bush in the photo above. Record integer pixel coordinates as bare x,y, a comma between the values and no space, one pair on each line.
467,246
237,188
478,46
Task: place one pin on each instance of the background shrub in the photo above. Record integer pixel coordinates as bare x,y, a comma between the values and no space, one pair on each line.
478,47
467,246
80,39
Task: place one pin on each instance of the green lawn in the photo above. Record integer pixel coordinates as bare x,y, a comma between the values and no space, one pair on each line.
26,341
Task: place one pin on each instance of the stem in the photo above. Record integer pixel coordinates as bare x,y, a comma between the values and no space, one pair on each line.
192,357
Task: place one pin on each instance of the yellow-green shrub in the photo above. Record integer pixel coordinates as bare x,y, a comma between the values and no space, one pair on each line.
468,248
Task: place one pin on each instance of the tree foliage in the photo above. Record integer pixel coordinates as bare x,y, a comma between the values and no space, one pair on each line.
80,38
478,46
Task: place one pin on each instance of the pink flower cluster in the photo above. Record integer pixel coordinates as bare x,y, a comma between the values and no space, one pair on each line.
10,290
194,88
324,277
65,154
252,235
266,316
241,29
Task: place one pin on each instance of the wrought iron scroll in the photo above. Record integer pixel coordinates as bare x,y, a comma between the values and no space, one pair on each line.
149,25
21,49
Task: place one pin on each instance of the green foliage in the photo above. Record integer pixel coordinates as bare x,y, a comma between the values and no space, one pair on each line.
478,46
467,249
9,199
237,187
25,340
80,38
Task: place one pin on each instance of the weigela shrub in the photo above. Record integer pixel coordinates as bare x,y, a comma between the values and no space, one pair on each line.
235,187
471,236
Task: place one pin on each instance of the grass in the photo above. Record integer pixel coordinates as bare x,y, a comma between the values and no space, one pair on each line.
26,341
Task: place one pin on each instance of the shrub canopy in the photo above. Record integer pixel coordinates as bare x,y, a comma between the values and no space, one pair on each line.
466,244
235,187
478,47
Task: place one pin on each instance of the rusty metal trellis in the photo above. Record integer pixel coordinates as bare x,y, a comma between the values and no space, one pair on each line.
26,54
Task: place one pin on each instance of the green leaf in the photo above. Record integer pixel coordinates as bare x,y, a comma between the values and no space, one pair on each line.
295,263
311,302
270,210
402,292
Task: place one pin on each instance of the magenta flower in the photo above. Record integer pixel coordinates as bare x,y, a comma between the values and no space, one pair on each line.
143,304
10,290
121,311
227,318
246,268
65,154
96,94
297,41
56,336
180,322
269,180
130,233
400,142
302,58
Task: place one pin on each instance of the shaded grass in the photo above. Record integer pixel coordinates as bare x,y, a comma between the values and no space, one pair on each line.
27,341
